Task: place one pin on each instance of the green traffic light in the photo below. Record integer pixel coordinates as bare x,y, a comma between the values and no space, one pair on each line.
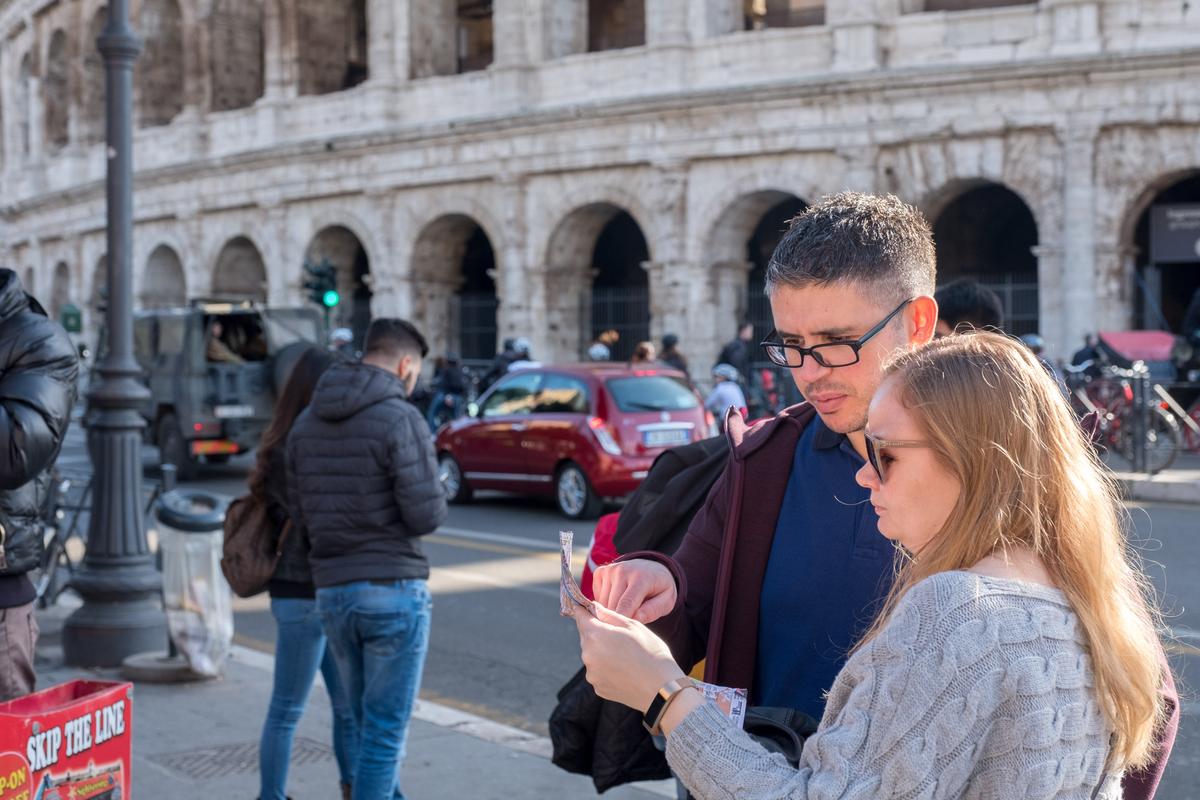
330,298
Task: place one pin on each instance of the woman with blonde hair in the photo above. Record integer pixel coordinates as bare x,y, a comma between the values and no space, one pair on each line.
1017,654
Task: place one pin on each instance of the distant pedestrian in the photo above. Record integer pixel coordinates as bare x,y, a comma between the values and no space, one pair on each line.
38,372
671,356
449,392
725,393
738,353
524,357
301,645
363,481
967,305
341,340
499,367
598,352
644,353
1088,352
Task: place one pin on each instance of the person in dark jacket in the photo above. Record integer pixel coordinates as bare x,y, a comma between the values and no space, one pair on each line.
362,480
671,356
499,367
739,351
449,391
38,372
301,648
970,304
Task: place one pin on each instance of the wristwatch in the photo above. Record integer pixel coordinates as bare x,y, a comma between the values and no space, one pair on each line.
652,719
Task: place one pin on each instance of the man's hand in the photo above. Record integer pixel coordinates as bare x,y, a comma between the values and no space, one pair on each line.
639,589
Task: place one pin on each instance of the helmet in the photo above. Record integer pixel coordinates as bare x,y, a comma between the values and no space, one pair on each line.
1034,342
341,335
521,346
669,341
598,352
726,371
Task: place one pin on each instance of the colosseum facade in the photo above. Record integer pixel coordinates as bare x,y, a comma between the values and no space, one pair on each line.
552,168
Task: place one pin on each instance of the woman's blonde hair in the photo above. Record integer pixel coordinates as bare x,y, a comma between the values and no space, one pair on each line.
998,421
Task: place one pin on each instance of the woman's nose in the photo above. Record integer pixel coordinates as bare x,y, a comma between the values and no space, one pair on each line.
867,477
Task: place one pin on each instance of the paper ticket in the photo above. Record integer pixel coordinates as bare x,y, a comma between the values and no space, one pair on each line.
732,702
569,594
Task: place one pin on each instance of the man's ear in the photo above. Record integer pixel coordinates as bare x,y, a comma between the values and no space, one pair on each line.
921,320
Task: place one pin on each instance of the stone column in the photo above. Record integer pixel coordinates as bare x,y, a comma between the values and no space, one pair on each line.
520,291
388,41
667,23
561,315
565,28
1080,287
729,281
1115,295
1052,283
510,34
281,69
711,18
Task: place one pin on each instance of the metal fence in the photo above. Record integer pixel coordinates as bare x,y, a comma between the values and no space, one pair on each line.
474,317
625,310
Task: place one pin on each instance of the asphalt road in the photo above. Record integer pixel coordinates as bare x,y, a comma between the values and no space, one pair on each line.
500,649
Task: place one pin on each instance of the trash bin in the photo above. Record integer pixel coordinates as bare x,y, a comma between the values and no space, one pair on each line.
69,741
196,597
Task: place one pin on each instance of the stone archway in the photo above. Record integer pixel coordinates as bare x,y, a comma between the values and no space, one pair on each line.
1164,239
239,272
986,232
159,77
332,45
340,247
163,284
453,273
596,281
236,53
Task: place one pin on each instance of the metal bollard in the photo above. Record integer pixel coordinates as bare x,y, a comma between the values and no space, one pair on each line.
1141,417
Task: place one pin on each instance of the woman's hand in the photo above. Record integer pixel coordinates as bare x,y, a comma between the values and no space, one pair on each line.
625,661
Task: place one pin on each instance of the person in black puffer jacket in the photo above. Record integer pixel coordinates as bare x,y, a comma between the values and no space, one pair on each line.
301,648
38,371
362,480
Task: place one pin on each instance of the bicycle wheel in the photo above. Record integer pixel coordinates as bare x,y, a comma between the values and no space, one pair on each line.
1163,440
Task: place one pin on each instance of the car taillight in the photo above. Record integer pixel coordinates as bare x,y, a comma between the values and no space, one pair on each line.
604,436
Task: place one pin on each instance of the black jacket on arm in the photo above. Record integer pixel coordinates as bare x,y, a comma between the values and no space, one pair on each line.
38,371
362,478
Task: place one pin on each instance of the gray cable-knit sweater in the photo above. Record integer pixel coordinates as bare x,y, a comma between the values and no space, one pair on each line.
977,687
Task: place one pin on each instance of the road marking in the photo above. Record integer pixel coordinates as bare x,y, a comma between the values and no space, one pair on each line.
459,721
498,538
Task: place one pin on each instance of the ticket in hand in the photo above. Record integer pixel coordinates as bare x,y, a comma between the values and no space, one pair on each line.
732,702
569,595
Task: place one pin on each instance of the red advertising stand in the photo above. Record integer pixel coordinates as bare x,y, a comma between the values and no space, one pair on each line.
68,742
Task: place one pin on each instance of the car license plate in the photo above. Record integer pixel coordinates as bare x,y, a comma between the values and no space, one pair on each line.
667,438
233,412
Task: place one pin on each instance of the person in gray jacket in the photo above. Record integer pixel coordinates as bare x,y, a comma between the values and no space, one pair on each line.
38,371
363,482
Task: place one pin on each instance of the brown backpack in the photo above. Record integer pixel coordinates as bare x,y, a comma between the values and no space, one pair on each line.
250,550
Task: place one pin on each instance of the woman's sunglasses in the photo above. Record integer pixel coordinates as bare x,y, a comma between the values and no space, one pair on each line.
877,456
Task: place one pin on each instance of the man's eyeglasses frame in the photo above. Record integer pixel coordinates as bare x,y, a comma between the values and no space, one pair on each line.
777,351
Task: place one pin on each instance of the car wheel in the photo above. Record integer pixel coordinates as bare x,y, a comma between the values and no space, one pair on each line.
455,485
173,448
573,490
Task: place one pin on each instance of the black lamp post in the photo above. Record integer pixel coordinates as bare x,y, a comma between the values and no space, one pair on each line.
121,612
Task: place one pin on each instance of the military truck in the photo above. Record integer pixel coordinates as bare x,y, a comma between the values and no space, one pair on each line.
213,370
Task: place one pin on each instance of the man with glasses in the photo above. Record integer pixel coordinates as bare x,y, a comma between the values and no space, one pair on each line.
784,568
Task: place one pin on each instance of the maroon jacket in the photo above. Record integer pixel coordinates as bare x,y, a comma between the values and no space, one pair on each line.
720,565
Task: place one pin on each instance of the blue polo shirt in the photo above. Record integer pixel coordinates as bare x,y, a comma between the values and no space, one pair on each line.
826,577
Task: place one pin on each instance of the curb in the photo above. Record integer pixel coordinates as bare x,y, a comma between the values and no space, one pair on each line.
1166,487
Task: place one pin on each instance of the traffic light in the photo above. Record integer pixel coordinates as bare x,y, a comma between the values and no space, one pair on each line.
322,286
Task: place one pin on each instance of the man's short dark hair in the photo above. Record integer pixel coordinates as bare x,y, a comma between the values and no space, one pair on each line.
395,338
876,240
970,302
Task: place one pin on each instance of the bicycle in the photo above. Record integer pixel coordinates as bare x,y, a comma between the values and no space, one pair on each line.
62,548
1108,392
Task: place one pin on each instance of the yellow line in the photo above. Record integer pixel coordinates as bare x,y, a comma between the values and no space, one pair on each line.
1179,648
578,559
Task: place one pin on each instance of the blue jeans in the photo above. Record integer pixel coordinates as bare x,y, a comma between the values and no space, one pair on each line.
379,634
300,649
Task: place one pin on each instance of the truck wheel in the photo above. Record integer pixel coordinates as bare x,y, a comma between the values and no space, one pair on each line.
173,448
576,497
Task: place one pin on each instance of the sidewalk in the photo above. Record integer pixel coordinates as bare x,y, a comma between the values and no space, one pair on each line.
198,741
1179,484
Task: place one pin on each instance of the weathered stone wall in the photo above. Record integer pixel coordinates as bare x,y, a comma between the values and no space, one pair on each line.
1082,108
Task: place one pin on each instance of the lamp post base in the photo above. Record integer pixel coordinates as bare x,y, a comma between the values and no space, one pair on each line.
104,634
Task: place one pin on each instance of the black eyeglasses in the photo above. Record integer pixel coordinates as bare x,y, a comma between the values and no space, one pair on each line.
834,354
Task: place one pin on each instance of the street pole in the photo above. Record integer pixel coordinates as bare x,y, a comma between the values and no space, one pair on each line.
121,612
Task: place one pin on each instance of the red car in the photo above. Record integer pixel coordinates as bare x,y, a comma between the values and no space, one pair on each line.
578,432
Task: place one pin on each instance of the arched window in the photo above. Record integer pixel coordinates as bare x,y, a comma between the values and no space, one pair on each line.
159,73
